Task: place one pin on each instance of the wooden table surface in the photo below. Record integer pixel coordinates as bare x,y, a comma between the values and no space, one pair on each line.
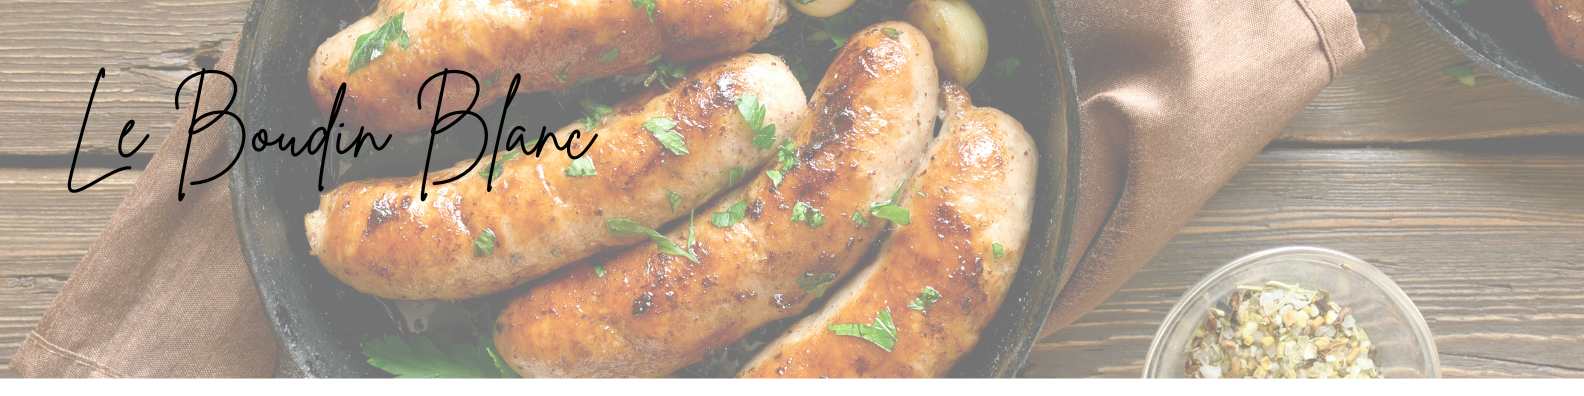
1469,197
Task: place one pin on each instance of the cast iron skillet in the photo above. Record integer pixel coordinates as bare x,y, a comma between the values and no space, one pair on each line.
1509,39
320,322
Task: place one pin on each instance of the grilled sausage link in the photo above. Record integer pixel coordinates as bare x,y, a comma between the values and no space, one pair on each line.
649,313
553,44
381,239
977,183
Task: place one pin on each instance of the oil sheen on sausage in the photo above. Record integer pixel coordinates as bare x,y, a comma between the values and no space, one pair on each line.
381,239
973,191
552,43
651,313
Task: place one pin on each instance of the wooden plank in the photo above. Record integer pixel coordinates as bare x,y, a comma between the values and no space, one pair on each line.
44,232
52,50
1486,237
1399,93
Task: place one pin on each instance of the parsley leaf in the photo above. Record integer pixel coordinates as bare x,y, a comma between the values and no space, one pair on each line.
581,167
562,77
753,112
731,216
498,167
623,228
372,44
650,4
892,212
815,284
926,298
592,113
795,63
803,213
664,69
775,177
418,357
676,200
484,245
610,56
661,127
1007,66
1463,74
835,29
858,218
891,32
882,331
599,270
997,250
787,154
889,210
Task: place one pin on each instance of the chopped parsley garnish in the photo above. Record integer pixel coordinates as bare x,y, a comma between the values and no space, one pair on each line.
581,167
661,127
858,218
599,270
592,113
1463,73
1007,66
733,175
815,283
610,56
553,253
419,357
623,228
786,157
372,44
891,32
835,30
775,177
997,250
497,168
926,298
806,2
882,331
889,210
676,200
649,4
731,216
920,193
803,213
754,113
664,69
484,245
795,63
562,76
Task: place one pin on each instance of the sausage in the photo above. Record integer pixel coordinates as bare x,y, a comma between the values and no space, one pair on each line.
379,237
973,191
652,313
553,44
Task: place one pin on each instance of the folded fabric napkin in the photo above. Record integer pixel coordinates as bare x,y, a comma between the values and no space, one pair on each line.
1176,95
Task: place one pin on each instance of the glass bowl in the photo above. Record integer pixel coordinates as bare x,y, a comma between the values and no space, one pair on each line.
1404,347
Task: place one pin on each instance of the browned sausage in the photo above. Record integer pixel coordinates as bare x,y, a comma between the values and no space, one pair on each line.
379,237
652,313
973,192
553,44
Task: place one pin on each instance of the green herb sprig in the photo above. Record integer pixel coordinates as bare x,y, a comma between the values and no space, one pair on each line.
754,113
881,331
889,210
624,228
372,44
926,298
815,283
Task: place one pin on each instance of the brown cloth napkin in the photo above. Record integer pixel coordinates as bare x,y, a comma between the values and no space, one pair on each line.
163,292
1176,95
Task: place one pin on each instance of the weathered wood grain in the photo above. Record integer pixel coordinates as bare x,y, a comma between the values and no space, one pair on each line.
1486,237
1399,93
44,232
50,52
